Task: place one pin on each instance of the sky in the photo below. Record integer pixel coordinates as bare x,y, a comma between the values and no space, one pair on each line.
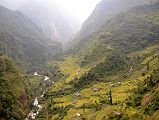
81,9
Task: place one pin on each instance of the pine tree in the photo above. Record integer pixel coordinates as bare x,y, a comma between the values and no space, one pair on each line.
110,97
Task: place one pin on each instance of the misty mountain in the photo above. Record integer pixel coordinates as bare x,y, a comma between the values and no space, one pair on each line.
128,31
104,12
56,23
23,41
11,4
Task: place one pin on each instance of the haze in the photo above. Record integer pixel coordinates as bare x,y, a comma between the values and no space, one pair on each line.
81,9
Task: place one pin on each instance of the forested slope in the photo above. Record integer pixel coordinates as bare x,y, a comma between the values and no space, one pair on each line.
22,40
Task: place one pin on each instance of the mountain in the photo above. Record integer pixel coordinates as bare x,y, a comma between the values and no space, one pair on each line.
104,12
55,22
23,41
11,4
112,73
123,32
14,93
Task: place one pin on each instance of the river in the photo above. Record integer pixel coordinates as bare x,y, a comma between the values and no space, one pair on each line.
35,111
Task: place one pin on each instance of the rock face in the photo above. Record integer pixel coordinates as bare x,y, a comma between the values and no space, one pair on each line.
22,40
56,23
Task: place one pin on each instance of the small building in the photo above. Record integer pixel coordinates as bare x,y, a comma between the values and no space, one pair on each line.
96,89
112,85
78,115
74,102
77,94
36,73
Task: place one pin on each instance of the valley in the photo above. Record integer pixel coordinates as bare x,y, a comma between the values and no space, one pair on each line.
92,101
110,70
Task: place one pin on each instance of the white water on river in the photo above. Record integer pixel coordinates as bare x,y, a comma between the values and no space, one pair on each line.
33,113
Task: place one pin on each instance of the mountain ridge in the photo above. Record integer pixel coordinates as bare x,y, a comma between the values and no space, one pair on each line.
26,37
104,11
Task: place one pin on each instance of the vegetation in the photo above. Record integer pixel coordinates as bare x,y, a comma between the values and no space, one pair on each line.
22,40
122,57
110,97
111,74
14,92
146,95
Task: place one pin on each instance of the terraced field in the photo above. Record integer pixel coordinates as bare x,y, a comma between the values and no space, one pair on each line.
92,101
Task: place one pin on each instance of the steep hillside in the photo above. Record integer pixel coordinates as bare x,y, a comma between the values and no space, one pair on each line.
125,33
102,72
146,95
14,92
56,23
22,40
104,12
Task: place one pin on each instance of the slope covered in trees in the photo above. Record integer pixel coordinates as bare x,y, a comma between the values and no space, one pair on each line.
14,91
22,40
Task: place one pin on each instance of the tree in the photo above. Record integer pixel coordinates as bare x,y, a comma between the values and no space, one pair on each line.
148,65
138,58
153,55
110,97
84,108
